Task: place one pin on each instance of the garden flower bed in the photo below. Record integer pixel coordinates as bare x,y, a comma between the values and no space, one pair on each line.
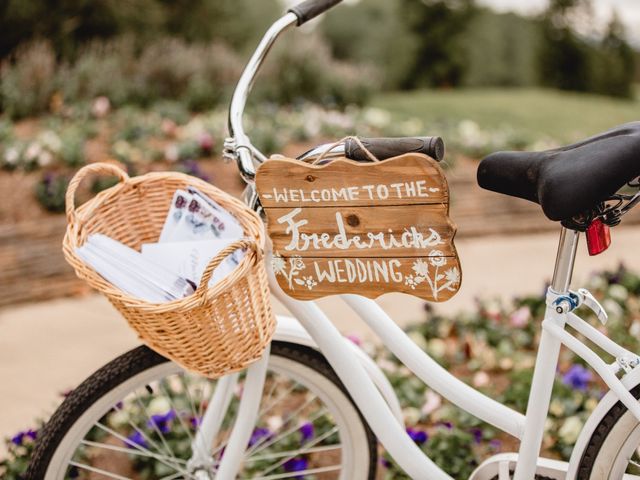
491,348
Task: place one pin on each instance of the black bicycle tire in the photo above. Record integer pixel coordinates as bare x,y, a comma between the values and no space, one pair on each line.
599,437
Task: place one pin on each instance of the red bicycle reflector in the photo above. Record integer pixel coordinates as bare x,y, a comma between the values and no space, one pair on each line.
598,237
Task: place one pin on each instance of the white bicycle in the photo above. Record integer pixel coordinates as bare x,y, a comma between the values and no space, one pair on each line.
315,405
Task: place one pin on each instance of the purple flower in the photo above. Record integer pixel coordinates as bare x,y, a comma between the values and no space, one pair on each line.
385,463
447,425
136,439
495,445
19,438
191,167
297,464
162,422
306,432
477,434
418,436
577,377
258,435
195,421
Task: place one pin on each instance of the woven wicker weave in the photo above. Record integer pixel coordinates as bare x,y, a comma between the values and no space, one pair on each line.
216,330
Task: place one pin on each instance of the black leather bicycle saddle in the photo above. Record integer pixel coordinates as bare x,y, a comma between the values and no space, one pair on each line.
571,180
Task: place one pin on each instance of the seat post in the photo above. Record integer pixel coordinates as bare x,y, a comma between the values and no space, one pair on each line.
565,260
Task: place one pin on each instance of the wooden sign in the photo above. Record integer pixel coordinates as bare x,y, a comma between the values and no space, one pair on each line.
364,228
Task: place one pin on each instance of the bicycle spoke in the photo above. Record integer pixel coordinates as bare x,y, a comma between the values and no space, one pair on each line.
192,404
154,426
146,437
274,455
315,441
175,409
138,447
98,470
129,451
286,433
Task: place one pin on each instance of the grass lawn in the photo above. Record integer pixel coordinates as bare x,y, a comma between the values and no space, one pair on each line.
560,115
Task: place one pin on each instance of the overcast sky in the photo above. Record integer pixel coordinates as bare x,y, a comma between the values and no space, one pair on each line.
628,11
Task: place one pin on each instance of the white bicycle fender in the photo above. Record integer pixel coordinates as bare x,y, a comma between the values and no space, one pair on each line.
630,380
291,331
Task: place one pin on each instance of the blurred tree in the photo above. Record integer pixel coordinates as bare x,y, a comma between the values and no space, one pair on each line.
564,57
69,23
439,27
373,32
571,62
239,23
501,50
615,68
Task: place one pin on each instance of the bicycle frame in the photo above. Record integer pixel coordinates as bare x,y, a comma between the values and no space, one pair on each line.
373,406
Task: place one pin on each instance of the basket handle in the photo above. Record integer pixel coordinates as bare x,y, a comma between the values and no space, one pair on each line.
80,175
245,243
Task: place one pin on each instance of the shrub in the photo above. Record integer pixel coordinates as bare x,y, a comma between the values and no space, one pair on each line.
305,70
50,192
27,80
196,74
101,69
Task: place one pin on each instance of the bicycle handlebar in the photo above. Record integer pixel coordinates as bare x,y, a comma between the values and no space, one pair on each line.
383,148
310,9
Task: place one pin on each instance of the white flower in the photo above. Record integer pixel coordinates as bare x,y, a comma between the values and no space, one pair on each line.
453,275
613,308
421,268
50,140
618,292
556,408
172,153
45,158
274,422
411,415
437,347
437,258
119,418
309,282
278,264
100,107
11,156
570,430
480,379
32,151
433,401
159,406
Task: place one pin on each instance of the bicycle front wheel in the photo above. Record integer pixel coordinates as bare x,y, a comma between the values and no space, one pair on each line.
136,418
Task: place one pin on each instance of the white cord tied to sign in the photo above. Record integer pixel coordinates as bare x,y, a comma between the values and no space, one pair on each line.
371,156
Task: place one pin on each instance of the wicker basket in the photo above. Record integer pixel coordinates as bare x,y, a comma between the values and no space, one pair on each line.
216,330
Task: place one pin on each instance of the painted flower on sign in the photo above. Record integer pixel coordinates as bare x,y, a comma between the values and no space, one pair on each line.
437,258
278,264
421,268
452,275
